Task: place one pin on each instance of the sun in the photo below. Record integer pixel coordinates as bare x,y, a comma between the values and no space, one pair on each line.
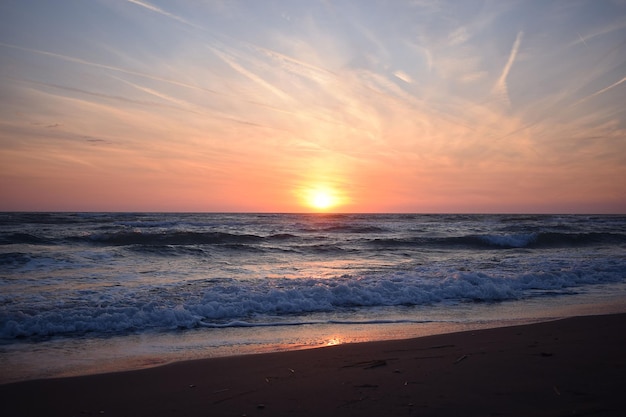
321,198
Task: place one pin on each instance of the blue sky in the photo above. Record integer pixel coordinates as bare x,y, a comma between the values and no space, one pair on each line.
423,106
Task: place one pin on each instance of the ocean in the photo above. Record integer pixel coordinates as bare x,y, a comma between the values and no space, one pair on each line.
96,292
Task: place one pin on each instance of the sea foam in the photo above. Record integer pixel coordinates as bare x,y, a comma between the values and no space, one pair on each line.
262,302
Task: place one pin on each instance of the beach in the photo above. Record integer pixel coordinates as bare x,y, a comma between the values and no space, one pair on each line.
312,208
572,366
232,314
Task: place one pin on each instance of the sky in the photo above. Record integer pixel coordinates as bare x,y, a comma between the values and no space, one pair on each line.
294,106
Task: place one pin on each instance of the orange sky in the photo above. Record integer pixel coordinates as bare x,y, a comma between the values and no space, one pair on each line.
413,106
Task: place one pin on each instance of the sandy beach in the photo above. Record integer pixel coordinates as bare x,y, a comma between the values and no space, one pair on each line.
574,366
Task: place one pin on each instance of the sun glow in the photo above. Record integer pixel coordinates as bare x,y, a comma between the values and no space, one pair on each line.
334,341
321,198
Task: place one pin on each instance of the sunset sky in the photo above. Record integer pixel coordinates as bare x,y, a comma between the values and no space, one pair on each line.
274,106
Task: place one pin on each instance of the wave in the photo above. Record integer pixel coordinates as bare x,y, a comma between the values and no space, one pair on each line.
172,238
344,228
579,239
147,238
151,241
238,303
23,238
553,240
168,250
510,241
14,259
324,248
241,323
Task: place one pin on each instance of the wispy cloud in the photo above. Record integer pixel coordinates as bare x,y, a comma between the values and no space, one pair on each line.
162,12
178,103
295,66
98,95
251,75
602,91
397,104
403,76
458,37
500,89
109,67
603,30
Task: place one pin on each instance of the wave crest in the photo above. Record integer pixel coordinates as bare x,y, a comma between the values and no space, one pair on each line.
217,303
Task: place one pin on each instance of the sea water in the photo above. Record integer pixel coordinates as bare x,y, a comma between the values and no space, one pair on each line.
93,292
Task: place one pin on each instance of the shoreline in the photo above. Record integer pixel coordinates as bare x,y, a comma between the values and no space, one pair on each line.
570,366
61,358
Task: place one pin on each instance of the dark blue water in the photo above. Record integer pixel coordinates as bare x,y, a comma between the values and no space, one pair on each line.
76,277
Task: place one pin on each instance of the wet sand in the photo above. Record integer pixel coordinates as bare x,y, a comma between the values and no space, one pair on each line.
574,366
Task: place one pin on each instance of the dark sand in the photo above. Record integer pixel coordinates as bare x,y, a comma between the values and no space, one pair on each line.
568,367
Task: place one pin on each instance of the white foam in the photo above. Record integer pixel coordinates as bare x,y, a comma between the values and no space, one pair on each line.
510,241
267,301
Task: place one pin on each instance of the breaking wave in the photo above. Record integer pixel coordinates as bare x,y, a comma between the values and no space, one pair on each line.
236,303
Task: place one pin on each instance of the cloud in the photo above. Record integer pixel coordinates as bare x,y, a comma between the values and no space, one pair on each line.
598,32
251,75
109,67
182,104
321,97
403,76
103,96
162,12
500,89
458,37
597,93
295,66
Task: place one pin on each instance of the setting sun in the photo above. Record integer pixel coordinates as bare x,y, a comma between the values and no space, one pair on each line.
321,198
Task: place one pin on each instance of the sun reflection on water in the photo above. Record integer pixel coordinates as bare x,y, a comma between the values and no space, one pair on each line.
335,340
